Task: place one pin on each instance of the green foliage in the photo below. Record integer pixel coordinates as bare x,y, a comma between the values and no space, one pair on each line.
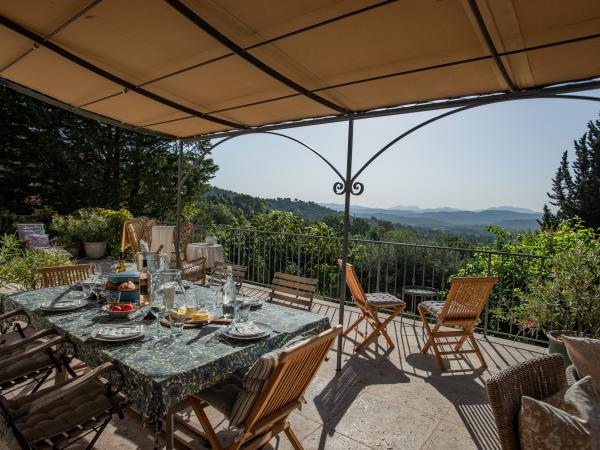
52,158
116,220
91,226
576,186
567,297
65,229
21,266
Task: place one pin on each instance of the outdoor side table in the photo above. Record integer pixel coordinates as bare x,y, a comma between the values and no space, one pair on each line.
422,293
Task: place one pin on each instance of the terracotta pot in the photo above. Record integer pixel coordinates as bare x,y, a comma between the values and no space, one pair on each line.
557,346
95,250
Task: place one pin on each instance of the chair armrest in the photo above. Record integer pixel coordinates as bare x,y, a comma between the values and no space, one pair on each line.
26,340
32,351
14,312
56,394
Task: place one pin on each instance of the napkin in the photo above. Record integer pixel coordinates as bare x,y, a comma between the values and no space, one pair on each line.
119,332
246,329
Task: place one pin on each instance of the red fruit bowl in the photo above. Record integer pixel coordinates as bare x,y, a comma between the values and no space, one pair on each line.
121,311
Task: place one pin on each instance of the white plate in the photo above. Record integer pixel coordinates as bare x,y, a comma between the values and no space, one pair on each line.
266,331
126,337
71,305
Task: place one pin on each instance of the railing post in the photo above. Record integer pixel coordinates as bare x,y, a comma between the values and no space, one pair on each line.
486,318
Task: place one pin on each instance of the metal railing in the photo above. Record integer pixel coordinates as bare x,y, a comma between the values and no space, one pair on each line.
382,267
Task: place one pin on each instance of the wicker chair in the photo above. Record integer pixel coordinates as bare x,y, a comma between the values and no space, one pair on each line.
194,270
62,414
292,290
370,305
461,310
283,393
65,275
537,378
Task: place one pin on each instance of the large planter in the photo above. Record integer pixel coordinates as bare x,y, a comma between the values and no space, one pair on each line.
95,250
557,346
73,250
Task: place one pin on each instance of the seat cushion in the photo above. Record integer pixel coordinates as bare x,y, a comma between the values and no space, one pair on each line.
568,419
75,408
433,306
383,299
23,367
222,396
584,352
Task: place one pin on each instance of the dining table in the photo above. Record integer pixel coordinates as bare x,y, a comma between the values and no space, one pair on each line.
159,374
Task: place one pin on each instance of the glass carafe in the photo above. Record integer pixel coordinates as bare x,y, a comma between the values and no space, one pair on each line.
168,290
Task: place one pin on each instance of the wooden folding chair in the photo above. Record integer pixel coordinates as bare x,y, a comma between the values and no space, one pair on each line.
369,305
462,308
283,392
220,273
292,290
65,275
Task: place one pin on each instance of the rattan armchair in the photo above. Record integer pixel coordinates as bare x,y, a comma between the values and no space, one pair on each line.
537,378
58,416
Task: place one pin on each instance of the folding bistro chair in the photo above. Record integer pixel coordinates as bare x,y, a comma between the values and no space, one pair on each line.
267,394
16,330
462,308
292,290
65,275
220,273
58,416
369,305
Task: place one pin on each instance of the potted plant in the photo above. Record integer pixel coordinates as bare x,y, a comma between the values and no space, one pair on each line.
93,230
566,301
65,229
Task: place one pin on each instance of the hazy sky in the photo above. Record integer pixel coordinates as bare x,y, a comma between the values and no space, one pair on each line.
498,155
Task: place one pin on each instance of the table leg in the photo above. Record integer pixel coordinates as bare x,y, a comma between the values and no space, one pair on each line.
169,430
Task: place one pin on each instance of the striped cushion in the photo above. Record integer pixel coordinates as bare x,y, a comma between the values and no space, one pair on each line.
255,382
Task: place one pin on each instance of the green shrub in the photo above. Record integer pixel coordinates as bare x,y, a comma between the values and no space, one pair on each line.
116,220
65,229
20,266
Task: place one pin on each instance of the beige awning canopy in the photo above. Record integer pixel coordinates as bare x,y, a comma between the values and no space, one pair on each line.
194,67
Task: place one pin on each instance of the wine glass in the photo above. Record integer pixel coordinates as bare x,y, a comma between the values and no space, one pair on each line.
156,310
169,291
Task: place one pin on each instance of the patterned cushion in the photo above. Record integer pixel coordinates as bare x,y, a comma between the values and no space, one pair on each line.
255,382
433,306
568,419
584,352
383,299
75,408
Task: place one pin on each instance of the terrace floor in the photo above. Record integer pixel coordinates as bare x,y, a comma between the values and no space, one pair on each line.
381,399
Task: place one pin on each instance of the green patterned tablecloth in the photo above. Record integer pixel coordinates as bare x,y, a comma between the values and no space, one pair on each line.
157,377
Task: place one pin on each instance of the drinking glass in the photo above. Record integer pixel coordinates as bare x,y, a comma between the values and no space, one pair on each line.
156,310
168,290
112,297
243,307
217,293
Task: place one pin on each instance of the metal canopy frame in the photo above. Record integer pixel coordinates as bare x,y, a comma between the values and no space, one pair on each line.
349,185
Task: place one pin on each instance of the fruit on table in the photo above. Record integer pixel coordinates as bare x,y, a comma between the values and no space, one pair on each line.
115,308
128,307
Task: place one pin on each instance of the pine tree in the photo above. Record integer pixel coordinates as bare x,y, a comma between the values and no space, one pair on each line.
576,189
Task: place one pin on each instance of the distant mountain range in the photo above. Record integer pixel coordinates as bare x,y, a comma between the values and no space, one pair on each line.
449,219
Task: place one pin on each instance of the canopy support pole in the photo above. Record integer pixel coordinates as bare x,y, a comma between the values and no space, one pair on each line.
345,238
178,220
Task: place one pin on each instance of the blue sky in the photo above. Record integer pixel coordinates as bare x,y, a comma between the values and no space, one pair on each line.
504,154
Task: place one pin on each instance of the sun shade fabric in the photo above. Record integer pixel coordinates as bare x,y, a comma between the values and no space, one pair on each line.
326,56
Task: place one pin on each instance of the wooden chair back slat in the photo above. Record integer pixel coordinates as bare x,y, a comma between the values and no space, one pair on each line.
65,275
293,290
356,289
220,273
467,298
291,376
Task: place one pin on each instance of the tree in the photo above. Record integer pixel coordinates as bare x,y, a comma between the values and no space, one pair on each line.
576,189
53,158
